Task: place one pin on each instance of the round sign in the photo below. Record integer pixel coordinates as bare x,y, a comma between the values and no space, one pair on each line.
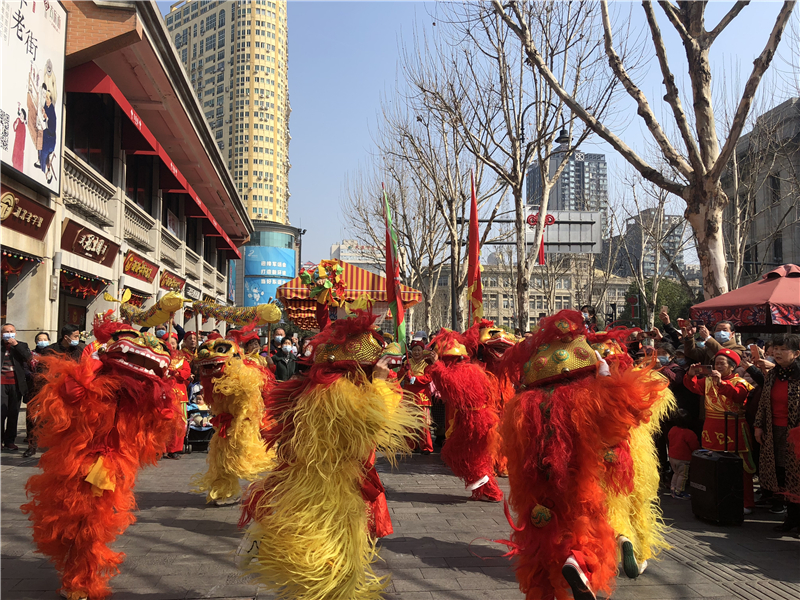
634,300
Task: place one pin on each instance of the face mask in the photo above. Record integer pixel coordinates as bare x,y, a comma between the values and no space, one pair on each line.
160,332
307,353
278,339
722,336
700,344
663,360
585,316
681,362
9,335
287,349
74,342
42,344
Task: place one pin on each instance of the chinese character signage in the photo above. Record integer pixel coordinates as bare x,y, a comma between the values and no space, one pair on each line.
85,242
32,43
139,267
265,269
170,281
192,292
24,215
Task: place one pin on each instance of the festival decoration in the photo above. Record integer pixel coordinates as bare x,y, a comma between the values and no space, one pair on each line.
80,285
393,275
236,315
474,285
159,313
325,282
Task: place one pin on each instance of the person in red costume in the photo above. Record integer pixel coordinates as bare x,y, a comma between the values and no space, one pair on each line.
486,345
472,420
179,374
415,380
725,392
565,435
102,420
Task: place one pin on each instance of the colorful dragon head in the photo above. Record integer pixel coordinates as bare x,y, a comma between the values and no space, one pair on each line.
350,340
143,354
213,355
395,352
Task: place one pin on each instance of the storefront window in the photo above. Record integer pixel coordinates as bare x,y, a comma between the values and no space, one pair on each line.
139,180
271,238
208,251
222,262
170,212
90,130
192,239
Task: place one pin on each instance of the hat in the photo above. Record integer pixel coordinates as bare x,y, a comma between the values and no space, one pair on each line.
419,343
728,353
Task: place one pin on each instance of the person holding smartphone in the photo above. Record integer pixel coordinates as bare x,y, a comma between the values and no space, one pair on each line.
725,392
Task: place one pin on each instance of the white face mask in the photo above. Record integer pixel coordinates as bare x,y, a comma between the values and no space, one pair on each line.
307,353
9,335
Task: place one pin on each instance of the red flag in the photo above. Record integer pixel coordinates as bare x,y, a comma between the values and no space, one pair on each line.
475,288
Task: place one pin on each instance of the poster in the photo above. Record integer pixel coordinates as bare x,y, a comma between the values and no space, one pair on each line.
258,290
33,39
266,261
232,281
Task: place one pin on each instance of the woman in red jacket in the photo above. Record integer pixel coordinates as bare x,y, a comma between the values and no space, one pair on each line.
725,392
415,380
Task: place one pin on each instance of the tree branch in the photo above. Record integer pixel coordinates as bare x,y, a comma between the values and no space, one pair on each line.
726,20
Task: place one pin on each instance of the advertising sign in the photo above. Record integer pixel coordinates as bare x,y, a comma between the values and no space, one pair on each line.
24,215
139,267
232,280
33,41
85,242
192,292
170,281
258,290
265,268
568,231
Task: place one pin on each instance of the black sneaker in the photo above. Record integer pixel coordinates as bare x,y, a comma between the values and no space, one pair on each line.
577,580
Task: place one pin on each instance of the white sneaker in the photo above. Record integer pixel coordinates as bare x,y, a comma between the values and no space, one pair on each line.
247,550
748,511
227,501
577,580
642,567
474,486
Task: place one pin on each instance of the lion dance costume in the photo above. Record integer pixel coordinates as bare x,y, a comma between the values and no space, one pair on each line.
567,438
486,344
102,419
316,515
634,512
233,388
472,419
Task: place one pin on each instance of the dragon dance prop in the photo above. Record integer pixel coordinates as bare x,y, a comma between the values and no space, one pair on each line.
315,516
568,438
159,313
102,419
326,285
237,316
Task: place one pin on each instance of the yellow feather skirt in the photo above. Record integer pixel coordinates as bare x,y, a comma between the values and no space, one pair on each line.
241,454
638,515
310,516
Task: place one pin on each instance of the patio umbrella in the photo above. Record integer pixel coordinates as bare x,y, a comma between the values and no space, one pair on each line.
765,305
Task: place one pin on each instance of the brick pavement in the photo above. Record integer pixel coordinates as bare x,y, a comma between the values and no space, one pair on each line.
179,548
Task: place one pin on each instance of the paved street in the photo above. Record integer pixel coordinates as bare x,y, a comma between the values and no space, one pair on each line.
441,548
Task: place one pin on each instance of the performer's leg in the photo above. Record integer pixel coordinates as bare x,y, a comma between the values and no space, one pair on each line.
425,441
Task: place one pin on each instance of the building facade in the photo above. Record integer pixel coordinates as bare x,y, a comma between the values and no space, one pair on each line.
648,235
144,200
582,185
355,253
236,55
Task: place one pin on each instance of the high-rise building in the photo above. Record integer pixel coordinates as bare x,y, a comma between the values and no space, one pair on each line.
236,56
582,185
355,253
647,233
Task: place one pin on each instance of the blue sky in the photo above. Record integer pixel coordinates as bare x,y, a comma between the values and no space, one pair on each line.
343,56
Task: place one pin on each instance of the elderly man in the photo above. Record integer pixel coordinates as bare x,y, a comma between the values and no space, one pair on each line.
15,355
708,346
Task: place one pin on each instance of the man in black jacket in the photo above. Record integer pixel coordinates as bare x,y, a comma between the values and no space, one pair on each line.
15,356
68,345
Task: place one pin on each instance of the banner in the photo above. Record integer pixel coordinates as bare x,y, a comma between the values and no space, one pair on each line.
232,280
265,269
33,42
139,267
85,242
258,290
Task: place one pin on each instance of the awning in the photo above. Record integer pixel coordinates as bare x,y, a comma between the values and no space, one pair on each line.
91,79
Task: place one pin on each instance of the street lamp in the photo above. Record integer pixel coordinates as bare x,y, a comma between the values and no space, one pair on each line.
563,135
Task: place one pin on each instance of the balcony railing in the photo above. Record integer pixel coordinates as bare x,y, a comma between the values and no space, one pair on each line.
192,265
170,248
86,192
138,225
208,276
220,283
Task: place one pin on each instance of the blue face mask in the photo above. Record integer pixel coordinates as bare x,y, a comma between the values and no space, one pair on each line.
663,360
9,335
700,344
722,336
278,339
42,344
74,342
160,332
681,362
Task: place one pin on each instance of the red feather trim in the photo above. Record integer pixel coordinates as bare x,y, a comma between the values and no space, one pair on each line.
104,326
245,334
340,330
473,334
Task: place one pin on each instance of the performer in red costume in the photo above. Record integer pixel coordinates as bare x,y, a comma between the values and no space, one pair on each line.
472,419
102,420
415,380
565,435
486,345
179,374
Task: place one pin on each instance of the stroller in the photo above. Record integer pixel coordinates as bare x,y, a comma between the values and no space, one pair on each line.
200,430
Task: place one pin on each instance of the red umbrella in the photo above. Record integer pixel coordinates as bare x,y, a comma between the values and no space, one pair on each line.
775,300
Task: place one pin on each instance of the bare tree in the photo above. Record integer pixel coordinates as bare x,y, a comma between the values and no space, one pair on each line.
700,163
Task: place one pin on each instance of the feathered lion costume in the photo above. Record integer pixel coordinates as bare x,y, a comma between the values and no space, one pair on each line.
567,436
233,388
312,515
101,420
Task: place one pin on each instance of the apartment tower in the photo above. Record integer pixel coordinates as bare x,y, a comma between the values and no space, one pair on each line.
236,56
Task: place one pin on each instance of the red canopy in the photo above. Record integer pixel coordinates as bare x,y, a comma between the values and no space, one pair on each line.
775,300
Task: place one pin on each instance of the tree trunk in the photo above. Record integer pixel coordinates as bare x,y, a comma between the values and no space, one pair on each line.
523,268
704,212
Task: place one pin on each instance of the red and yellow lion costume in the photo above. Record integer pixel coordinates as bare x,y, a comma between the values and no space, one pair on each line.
102,420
